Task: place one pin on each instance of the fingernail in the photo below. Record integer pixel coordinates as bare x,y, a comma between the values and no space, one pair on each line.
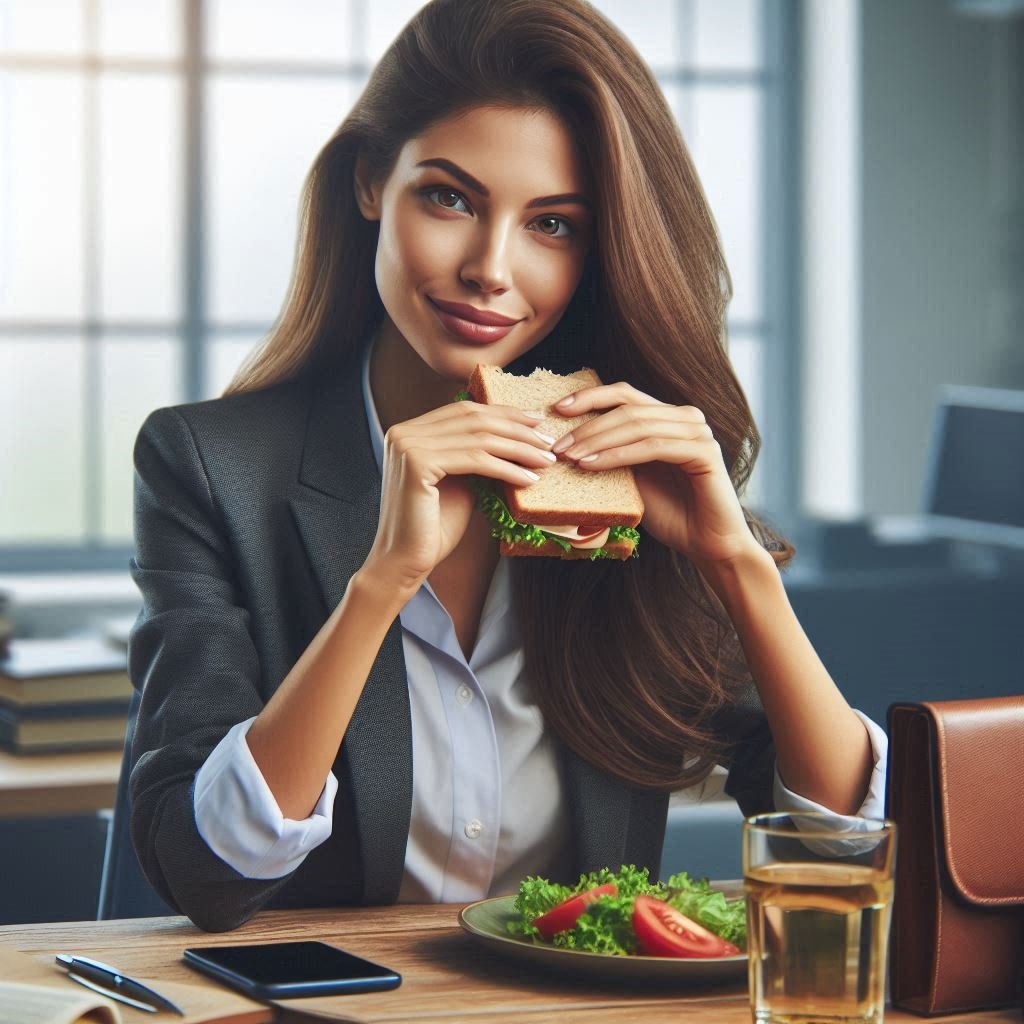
533,414
568,400
566,441
550,456
546,438
587,458
530,473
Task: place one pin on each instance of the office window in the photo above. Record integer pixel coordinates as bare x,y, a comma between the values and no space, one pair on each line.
151,159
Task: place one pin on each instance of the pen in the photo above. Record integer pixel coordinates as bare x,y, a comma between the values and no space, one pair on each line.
111,982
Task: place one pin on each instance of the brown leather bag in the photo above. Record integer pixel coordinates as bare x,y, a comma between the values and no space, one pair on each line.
956,791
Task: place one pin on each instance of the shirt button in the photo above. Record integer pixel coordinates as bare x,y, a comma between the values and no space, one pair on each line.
473,828
463,694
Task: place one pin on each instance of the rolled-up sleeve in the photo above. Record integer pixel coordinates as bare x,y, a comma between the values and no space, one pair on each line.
874,802
240,820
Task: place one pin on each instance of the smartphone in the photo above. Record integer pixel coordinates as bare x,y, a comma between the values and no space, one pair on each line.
286,970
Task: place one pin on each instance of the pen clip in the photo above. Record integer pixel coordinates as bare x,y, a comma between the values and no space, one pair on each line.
106,980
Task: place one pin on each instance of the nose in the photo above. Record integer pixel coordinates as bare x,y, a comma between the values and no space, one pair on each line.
488,264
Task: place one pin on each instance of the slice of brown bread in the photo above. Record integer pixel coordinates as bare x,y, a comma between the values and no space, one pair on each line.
564,495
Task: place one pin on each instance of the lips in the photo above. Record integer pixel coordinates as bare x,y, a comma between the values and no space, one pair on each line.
460,326
474,315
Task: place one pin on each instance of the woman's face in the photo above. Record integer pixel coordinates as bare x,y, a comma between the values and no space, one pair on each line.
495,228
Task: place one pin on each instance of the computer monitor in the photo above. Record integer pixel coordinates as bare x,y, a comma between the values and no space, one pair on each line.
974,485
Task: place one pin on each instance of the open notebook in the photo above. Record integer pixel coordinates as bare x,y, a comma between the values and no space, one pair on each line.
34,991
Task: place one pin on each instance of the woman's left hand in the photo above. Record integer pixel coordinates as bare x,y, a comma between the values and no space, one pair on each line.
690,503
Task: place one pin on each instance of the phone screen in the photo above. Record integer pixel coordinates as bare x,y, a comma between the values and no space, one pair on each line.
279,969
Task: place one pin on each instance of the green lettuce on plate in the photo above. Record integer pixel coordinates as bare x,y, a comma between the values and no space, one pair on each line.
606,924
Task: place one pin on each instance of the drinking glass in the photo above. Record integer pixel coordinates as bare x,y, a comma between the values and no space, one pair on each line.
818,904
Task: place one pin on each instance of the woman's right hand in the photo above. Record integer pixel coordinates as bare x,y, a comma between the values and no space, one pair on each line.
426,500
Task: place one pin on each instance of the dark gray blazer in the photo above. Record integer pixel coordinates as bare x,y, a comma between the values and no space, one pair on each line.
251,514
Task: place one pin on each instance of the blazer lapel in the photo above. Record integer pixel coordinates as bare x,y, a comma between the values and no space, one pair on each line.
336,513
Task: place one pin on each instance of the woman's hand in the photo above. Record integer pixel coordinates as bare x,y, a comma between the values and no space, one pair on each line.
690,503
426,502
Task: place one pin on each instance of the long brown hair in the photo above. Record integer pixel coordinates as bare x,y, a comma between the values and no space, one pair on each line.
630,661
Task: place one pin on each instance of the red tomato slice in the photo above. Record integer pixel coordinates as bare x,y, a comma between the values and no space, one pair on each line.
662,931
565,915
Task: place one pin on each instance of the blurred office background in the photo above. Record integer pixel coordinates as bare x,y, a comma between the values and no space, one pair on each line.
862,159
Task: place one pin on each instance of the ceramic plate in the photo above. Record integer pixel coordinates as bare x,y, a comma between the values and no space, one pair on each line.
486,921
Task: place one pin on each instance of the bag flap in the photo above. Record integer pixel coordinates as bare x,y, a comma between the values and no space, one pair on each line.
979,748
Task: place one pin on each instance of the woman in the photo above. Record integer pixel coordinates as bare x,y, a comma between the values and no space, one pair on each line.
347,696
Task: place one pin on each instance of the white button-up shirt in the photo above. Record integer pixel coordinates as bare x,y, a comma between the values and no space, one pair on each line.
488,804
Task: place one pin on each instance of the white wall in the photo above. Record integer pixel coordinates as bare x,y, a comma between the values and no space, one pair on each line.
830,293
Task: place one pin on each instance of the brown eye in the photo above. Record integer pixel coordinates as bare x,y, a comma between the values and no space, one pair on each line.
451,193
556,221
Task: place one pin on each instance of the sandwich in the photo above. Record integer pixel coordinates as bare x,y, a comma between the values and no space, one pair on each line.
570,512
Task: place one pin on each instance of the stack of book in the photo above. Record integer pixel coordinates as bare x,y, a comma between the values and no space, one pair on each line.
69,693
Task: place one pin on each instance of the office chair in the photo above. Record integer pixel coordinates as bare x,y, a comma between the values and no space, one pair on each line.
124,889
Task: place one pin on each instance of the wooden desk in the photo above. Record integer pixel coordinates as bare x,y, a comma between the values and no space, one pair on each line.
37,785
447,977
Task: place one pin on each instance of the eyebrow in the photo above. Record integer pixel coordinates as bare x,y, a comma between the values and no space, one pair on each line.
470,182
